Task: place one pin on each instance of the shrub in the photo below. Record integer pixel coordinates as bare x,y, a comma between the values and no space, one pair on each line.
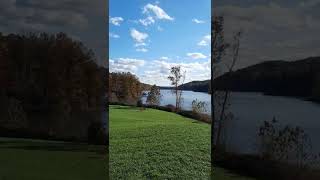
171,107
286,144
139,103
154,96
97,134
199,107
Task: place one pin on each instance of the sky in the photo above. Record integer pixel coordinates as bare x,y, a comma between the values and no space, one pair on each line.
272,29
148,37
81,19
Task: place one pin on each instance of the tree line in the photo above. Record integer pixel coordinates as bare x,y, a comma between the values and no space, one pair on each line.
125,88
47,73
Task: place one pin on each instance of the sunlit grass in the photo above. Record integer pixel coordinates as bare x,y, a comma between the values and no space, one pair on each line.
153,144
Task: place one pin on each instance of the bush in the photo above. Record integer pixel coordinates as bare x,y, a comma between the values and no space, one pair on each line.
199,107
97,134
154,96
139,103
171,107
286,144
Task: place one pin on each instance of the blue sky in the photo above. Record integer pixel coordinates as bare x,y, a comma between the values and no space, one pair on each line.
148,37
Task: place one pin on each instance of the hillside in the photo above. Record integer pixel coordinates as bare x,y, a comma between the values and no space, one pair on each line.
296,78
198,86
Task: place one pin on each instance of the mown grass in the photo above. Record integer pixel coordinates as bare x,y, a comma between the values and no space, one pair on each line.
25,159
154,144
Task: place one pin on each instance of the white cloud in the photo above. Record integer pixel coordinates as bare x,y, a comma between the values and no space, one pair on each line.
153,13
142,50
164,58
147,21
207,37
139,37
140,44
125,65
206,40
160,28
203,43
196,55
116,20
112,35
159,70
265,25
157,11
270,17
197,21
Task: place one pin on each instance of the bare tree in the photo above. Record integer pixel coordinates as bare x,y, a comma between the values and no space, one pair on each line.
218,47
177,78
226,93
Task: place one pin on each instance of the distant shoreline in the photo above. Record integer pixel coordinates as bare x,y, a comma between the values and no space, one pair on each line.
310,99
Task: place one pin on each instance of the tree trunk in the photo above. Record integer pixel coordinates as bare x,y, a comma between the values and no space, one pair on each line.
212,123
212,93
177,98
221,119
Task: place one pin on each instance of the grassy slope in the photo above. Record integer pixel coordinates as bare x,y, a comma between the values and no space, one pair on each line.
161,145
22,159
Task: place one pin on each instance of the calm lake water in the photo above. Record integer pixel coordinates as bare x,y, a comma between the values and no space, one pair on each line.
251,109
187,97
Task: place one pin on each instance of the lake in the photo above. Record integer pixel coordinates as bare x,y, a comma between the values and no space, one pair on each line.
187,97
251,109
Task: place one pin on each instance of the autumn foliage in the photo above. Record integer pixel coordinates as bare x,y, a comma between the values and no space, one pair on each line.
124,88
44,75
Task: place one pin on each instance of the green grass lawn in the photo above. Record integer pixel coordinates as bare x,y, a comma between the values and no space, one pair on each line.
153,144
24,159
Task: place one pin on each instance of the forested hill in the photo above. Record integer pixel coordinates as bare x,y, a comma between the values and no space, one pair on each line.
166,87
295,78
198,86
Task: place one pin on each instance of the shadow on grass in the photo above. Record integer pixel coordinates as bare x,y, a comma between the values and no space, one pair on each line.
197,122
125,107
223,173
53,146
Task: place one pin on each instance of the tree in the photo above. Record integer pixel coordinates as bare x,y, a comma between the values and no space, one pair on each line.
226,94
154,96
218,48
286,144
177,79
220,100
49,73
124,88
